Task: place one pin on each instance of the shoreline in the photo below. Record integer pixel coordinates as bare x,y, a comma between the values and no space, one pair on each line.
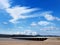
9,41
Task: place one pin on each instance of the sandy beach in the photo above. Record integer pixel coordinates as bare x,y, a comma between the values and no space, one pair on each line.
9,41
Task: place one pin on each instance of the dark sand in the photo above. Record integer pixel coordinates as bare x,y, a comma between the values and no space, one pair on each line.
9,41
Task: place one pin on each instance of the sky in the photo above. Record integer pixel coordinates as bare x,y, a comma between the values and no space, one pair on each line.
30,17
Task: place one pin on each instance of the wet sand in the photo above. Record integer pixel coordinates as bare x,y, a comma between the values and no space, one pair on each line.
9,41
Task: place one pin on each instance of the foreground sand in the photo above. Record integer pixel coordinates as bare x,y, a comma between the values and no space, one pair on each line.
9,41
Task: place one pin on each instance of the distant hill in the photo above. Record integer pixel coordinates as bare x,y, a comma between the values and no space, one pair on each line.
7,35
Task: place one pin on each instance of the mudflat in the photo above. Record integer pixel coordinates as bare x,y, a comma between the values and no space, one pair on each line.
9,41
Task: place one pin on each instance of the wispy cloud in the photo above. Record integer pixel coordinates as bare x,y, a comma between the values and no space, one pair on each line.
33,24
5,23
48,16
18,13
26,32
4,4
50,28
44,23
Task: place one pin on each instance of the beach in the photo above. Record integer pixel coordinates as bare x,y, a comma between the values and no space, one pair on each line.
9,41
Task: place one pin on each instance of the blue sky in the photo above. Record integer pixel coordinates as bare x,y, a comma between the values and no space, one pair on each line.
30,17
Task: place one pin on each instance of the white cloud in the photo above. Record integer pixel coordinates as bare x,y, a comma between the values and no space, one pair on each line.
27,32
30,32
17,33
33,24
5,22
18,13
57,18
44,23
48,16
20,27
34,33
4,4
49,28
